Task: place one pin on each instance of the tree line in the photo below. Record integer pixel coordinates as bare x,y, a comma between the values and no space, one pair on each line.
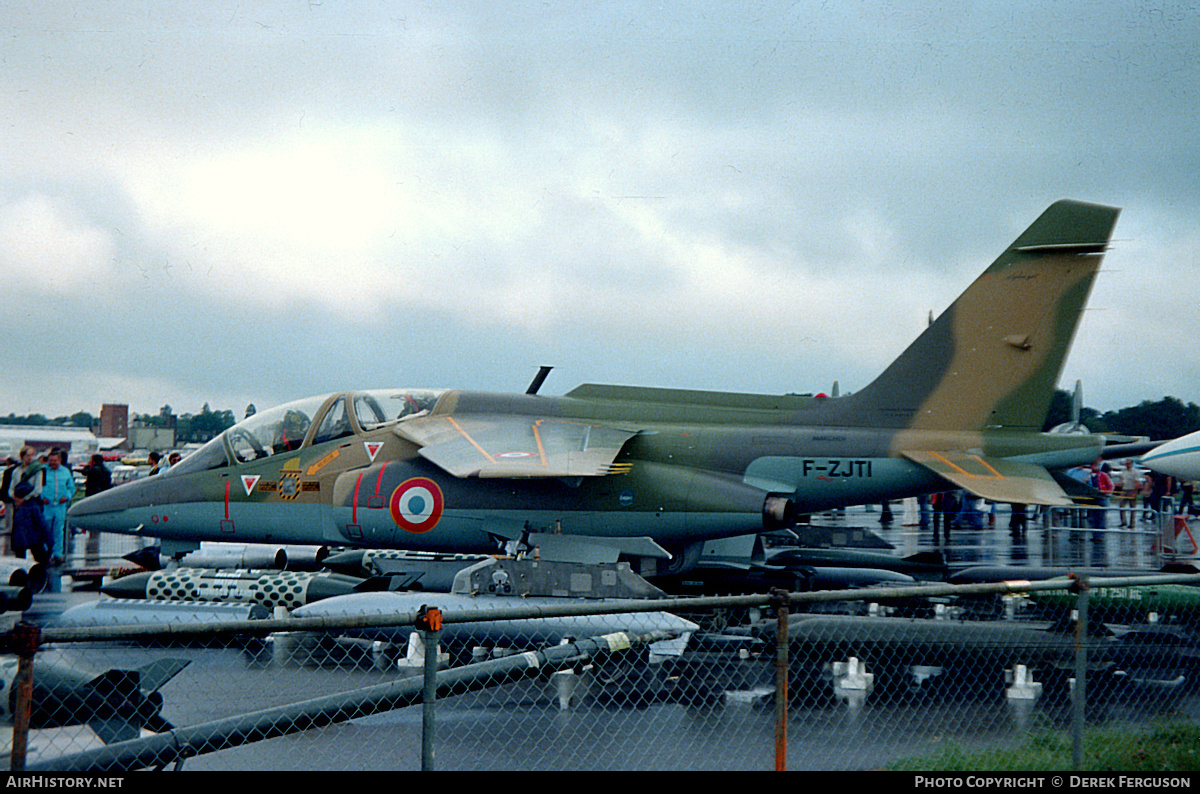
189,427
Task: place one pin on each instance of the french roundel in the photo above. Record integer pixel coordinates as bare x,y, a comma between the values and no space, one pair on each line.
417,504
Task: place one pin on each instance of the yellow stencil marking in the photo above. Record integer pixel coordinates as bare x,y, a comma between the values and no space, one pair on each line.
320,464
537,436
474,443
994,474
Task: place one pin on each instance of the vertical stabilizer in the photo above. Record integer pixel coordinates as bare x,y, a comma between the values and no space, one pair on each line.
994,357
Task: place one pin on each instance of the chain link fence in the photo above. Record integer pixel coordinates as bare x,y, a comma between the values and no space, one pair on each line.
817,680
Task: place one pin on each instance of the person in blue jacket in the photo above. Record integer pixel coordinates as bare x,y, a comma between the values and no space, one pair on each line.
57,492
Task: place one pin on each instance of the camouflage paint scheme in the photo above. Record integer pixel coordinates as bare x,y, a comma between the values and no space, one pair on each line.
613,465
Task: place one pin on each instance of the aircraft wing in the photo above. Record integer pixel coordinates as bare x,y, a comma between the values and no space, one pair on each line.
505,445
994,479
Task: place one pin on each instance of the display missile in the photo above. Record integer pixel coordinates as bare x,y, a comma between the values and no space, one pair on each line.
305,558
1129,603
149,558
1007,573
925,565
214,555
115,704
140,612
23,573
866,632
15,599
728,578
409,570
237,555
493,587
733,578
354,562
524,631
842,578
269,589
220,555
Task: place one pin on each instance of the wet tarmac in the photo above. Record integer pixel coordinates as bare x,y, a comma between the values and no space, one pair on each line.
1048,540
607,724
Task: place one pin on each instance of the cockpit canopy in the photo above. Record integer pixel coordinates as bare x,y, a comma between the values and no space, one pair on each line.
303,423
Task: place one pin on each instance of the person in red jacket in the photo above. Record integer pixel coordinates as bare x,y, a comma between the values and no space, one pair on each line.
1104,484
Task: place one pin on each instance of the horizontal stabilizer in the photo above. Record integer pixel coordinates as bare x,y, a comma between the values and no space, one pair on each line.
154,675
516,446
994,479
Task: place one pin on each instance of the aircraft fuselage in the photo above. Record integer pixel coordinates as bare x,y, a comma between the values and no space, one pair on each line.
676,481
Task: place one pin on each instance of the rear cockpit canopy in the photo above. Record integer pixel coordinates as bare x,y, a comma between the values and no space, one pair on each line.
306,422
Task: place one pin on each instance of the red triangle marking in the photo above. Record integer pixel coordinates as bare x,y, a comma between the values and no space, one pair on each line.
373,448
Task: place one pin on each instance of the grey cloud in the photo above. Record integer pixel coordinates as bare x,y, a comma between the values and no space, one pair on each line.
834,137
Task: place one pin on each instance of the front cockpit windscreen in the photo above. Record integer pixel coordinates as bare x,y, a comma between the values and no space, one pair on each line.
210,456
383,406
275,431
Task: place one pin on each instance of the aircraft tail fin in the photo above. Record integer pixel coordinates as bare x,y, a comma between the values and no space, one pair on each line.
132,700
152,676
994,357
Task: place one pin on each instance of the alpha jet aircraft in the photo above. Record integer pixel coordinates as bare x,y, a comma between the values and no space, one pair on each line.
644,469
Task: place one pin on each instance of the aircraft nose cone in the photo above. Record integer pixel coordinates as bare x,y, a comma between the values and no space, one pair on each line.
132,586
120,498
110,510
1179,458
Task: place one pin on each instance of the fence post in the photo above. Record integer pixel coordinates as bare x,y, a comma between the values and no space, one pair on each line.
779,599
25,639
1079,695
429,622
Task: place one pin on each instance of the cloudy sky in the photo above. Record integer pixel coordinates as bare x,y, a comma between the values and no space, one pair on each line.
235,202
